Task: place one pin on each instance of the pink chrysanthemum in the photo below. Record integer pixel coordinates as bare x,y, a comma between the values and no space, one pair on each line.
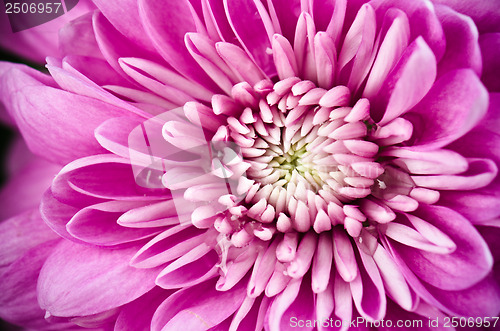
261,164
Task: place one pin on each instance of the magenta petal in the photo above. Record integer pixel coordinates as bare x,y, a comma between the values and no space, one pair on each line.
301,308
467,265
285,14
45,117
169,245
423,22
399,92
125,18
77,37
103,177
217,23
465,99
486,14
490,50
98,225
40,41
21,233
393,37
137,314
210,307
281,303
166,23
79,280
73,81
114,45
480,300
18,301
478,206
57,214
254,35
194,267
462,49
368,290
25,188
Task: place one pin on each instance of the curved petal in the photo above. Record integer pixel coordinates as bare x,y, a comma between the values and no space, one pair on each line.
103,177
137,314
21,233
56,124
462,48
194,267
79,280
97,224
467,265
125,18
454,105
466,302
169,245
368,290
166,23
486,14
423,21
254,31
399,92
18,303
490,50
211,307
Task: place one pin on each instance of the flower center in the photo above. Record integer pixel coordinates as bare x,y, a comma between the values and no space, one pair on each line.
306,153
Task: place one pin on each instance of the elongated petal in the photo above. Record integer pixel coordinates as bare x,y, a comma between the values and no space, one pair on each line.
254,35
18,303
399,93
166,28
137,314
210,307
71,274
466,102
466,266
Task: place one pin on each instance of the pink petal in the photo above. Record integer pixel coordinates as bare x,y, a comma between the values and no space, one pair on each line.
240,63
192,268
481,172
284,58
399,93
344,258
125,18
394,281
71,275
166,24
254,35
98,225
19,298
368,290
396,33
466,101
137,314
45,116
462,49
468,264
169,245
21,233
491,69
210,307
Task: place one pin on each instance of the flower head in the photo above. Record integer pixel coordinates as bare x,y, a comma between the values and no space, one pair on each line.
248,164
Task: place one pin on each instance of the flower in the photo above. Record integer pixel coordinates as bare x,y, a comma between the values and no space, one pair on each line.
247,164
